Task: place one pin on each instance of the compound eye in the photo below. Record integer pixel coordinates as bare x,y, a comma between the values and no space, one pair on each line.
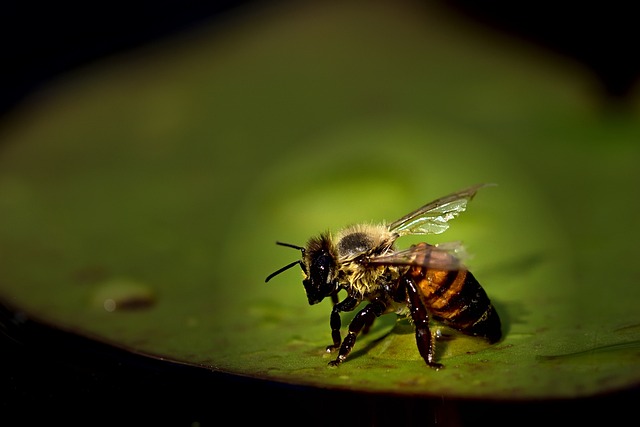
322,267
317,284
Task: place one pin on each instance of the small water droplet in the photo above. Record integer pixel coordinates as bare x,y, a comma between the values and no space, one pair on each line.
109,304
123,294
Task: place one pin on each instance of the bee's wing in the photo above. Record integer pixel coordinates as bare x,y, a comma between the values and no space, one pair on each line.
444,256
432,218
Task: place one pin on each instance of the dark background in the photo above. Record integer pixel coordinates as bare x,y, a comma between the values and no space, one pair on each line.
39,40
49,374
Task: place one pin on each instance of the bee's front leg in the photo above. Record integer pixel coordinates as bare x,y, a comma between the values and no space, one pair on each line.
365,317
347,304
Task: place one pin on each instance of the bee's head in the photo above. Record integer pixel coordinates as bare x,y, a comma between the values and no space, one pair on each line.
318,265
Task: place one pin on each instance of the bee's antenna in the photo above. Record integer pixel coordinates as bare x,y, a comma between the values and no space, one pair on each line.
275,273
289,245
288,266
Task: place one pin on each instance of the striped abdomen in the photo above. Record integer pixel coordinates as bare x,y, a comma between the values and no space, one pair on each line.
456,298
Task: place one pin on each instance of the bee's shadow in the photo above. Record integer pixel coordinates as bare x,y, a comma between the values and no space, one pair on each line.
382,328
443,335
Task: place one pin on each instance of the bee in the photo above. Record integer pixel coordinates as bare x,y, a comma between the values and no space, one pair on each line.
422,282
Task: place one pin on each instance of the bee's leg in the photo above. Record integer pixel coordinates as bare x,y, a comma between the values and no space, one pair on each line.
347,304
420,316
367,325
366,316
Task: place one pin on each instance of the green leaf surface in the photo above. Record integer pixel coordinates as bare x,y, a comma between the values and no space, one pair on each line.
140,199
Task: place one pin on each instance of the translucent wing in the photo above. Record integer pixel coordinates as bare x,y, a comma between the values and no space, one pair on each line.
444,256
433,217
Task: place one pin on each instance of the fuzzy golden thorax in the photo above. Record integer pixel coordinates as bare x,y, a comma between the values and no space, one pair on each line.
354,246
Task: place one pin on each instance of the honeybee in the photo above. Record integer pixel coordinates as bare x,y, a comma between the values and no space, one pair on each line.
422,282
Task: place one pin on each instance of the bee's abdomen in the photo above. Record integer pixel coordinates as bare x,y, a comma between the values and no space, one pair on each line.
456,298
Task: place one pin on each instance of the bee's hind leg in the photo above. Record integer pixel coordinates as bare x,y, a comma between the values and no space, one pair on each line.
420,316
363,319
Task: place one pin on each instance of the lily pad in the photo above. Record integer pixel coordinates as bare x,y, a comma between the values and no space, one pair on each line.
140,200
